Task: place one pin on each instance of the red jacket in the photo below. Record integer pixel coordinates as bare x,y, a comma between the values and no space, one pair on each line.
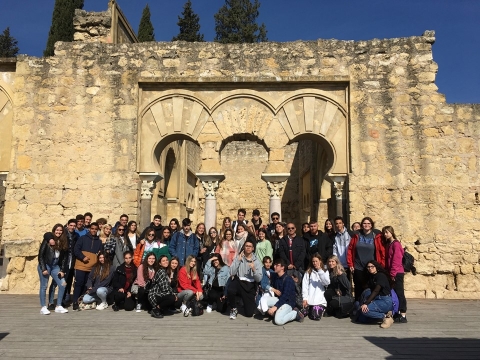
380,250
184,283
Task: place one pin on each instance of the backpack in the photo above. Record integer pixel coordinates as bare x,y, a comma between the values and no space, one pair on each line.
196,306
395,302
408,263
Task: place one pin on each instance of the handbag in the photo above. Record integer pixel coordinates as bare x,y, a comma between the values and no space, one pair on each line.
82,306
346,303
134,289
206,289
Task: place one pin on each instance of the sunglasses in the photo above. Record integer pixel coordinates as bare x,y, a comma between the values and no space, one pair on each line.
290,228
275,218
121,229
151,235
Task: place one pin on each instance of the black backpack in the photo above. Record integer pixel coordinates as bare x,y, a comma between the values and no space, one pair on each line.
408,263
196,306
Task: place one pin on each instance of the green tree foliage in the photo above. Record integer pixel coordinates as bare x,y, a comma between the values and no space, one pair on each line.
145,29
235,22
189,24
8,44
62,23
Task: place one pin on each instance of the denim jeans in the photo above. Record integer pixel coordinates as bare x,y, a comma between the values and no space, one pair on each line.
102,293
376,309
61,283
53,286
284,314
186,295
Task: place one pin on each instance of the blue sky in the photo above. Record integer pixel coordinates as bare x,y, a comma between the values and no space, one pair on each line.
456,23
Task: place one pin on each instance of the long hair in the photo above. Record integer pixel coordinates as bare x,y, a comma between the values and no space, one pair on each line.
175,220
390,230
276,237
127,231
155,265
163,239
191,272
337,270
100,270
223,225
209,241
310,265
169,270
219,257
379,268
61,241
102,232
325,227
160,260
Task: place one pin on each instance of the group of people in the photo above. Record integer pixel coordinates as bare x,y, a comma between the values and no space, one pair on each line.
258,269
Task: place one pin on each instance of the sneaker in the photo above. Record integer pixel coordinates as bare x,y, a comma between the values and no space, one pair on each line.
44,311
60,309
115,307
75,306
233,314
400,319
387,321
156,313
183,308
187,312
139,308
209,309
102,306
51,307
300,317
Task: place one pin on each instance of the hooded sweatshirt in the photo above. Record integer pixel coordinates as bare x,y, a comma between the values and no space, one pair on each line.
313,287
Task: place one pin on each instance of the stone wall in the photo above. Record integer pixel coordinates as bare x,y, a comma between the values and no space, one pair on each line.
413,158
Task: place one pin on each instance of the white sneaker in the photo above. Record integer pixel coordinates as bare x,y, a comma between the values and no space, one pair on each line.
139,308
61,309
44,311
209,308
183,308
102,306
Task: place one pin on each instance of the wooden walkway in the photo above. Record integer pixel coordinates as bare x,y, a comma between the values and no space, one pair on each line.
437,329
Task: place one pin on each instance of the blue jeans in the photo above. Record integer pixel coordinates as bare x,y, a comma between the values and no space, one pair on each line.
376,309
102,293
284,314
61,283
53,286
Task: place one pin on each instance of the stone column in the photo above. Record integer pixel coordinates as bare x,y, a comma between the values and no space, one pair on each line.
210,183
275,184
338,182
149,181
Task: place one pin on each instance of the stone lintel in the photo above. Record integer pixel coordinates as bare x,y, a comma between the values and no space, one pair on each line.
275,177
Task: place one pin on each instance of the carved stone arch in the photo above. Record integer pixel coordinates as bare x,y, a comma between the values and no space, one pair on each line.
6,124
316,117
168,118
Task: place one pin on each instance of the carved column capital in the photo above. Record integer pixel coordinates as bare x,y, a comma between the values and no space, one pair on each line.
147,190
275,188
338,185
210,188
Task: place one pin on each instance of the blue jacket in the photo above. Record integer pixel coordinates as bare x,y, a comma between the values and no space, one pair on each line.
182,246
265,284
223,274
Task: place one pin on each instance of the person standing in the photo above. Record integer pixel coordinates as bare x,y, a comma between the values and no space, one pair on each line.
80,229
342,240
292,249
394,266
263,247
184,243
52,261
317,241
86,250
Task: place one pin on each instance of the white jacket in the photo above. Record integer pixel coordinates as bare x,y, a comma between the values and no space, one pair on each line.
313,287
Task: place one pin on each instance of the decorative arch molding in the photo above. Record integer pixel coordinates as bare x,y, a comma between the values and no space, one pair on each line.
181,114
6,124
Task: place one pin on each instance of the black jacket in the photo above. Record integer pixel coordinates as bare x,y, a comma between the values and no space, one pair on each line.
158,231
120,278
320,243
46,254
298,249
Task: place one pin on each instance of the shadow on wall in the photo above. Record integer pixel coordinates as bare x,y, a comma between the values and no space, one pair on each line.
428,348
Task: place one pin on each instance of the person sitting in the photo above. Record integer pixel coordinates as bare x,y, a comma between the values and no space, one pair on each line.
122,282
246,269
145,273
161,295
98,283
189,284
216,275
338,295
376,300
172,273
264,287
314,283
283,308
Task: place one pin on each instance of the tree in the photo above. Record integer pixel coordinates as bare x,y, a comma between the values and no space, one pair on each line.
62,23
189,24
145,29
8,44
235,22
